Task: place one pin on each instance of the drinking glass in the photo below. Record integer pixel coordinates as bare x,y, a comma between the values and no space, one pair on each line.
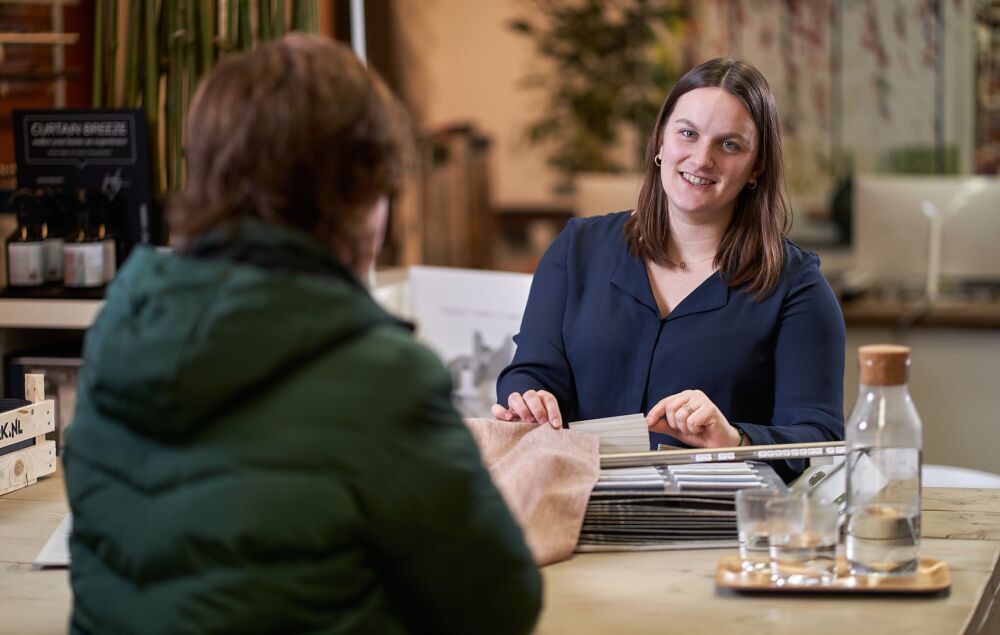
752,524
803,540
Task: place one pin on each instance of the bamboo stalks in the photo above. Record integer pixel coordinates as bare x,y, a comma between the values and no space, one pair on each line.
264,31
166,51
313,17
300,15
169,46
111,52
173,17
96,89
164,131
278,24
232,23
206,35
192,53
244,38
133,53
151,85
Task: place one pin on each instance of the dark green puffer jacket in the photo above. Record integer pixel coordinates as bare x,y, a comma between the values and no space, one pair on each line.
265,450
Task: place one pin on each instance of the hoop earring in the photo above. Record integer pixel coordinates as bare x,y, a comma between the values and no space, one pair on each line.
657,160
752,184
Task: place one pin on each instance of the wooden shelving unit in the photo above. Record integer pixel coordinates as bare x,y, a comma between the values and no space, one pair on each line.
48,314
34,40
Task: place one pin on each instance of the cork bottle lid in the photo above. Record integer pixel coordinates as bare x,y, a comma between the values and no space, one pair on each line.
884,364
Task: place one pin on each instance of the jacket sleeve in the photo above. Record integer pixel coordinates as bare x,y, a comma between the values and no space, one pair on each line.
808,370
540,361
453,557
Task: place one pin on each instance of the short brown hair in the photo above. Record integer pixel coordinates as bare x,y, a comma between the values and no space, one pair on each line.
751,252
296,133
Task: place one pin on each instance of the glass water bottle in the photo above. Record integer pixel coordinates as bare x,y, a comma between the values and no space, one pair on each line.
884,444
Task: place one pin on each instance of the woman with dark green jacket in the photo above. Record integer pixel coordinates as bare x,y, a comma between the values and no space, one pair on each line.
258,447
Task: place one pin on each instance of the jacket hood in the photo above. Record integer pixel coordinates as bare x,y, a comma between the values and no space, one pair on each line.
182,338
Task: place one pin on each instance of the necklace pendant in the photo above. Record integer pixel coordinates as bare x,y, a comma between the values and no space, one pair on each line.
682,265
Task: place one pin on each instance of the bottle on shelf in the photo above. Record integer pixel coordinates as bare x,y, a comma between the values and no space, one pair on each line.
116,221
884,456
24,248
83,262
54,230
107,233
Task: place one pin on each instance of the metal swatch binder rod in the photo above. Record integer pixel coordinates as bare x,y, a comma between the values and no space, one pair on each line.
624,440
676,456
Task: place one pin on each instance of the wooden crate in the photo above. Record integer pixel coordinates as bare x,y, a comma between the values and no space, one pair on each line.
25,454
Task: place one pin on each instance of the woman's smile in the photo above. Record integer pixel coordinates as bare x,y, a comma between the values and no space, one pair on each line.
696,180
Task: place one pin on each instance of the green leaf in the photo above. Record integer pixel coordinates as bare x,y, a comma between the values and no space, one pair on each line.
520,25
610,70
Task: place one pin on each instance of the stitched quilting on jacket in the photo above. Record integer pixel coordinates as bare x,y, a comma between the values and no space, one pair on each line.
259,448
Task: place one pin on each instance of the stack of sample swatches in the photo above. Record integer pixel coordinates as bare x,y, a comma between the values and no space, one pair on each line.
624,434
669,507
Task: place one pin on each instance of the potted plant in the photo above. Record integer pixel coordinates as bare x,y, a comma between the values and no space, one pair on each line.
610,66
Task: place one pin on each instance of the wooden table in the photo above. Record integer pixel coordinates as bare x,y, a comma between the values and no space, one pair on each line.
32,601
620,593
674,591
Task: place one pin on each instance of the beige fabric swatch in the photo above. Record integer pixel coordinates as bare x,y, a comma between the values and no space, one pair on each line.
545,476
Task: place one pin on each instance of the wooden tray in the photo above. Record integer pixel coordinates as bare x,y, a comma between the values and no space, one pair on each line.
932,576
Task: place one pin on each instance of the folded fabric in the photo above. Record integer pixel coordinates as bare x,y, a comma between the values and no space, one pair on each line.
545,476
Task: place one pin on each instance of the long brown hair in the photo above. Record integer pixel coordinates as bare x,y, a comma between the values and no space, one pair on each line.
751,252
295,133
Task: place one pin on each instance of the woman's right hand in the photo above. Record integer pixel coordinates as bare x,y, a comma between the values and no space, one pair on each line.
534,406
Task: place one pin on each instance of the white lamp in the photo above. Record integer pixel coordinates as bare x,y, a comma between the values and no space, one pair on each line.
937,217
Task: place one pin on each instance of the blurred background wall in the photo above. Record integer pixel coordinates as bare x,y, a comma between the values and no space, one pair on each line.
529,112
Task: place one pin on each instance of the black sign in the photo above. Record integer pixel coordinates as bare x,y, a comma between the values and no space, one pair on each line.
94,149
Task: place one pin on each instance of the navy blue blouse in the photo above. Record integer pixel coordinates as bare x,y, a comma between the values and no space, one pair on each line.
592,335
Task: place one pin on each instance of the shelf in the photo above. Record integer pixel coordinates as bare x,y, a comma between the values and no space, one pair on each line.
945,314
48,39
40,75
49,2
48,314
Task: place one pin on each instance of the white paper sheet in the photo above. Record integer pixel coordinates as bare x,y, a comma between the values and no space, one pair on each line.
55,553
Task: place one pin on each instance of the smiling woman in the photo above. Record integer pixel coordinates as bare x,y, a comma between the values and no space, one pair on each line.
694,308
719,123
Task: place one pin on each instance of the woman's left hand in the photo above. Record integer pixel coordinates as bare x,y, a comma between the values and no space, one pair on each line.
692,418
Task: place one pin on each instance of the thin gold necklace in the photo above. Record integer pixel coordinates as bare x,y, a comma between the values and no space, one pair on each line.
683,265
